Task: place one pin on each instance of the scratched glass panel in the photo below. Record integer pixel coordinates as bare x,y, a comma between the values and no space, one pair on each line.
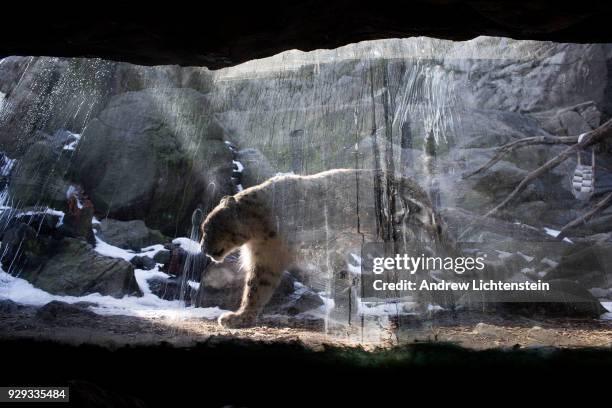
252,193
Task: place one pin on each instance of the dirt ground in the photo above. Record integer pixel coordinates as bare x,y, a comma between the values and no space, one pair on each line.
474,331
483,331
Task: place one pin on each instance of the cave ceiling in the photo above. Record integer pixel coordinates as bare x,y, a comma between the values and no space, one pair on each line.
230,33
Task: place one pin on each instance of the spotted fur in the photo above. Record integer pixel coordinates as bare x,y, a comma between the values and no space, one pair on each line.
270,222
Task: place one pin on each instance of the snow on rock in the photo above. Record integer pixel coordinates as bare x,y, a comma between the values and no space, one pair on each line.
239,166
434,308
72,145
70,192
188,245
549,262
194,285
503,254
322,311
48,210
608,306
386,309
150,251
111,251
354,269
150,306
58,213
555,233
143,276
526,257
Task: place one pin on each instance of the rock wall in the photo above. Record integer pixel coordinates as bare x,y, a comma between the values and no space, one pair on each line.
152,134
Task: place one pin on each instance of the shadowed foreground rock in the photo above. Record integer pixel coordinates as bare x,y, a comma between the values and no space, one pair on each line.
352,371
56,311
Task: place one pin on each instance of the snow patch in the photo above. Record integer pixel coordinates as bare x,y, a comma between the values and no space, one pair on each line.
111,251
72,145
239,166
386,309
354,269
72,191
434,308
323,310
608,306
188,245
143,276
555,233
549,262
50,211
151,251
503,254
57,213
526,257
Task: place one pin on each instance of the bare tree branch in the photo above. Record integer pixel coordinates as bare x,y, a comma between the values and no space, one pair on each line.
600,206
590,138
509,147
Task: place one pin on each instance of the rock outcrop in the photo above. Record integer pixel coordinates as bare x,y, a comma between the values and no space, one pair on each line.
60,264
129,234
154,155
39,176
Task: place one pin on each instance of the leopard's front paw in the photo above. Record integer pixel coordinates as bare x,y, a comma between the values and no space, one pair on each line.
234,320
